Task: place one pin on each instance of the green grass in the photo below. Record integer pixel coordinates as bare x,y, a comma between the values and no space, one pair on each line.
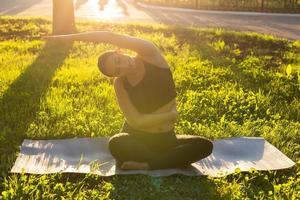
228,83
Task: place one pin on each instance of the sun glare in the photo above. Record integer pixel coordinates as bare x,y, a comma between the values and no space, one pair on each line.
102,9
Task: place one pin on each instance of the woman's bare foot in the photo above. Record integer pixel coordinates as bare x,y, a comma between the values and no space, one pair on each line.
134,165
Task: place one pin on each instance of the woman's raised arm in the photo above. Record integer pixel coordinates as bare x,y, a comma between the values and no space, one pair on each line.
141,46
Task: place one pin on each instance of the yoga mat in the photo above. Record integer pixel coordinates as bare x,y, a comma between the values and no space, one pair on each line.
91,155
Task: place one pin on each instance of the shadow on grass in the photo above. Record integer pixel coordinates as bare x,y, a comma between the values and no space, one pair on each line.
144,186
171,187
202,42
21,102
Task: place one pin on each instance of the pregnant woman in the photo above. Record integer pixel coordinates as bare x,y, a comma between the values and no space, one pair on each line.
146,95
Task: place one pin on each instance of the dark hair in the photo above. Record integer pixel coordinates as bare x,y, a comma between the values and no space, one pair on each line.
102,60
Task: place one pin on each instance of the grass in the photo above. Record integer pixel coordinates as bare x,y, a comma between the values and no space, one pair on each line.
228,83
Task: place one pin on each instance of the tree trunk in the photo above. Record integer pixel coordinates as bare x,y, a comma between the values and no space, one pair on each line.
63,17
285,4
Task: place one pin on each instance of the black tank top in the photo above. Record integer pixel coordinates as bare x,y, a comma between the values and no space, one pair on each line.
156,89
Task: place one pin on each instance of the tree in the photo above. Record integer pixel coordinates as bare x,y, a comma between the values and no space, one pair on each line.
262,5
63,17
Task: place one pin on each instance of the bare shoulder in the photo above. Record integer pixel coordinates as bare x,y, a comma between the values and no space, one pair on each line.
118,82
156,59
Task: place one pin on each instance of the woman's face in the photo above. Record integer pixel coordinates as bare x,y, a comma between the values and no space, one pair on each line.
118,64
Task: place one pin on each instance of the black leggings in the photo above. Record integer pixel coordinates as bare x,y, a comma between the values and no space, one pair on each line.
159,150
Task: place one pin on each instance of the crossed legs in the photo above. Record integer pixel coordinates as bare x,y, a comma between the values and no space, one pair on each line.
180,152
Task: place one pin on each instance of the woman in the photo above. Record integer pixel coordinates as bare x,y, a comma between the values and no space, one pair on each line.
146,95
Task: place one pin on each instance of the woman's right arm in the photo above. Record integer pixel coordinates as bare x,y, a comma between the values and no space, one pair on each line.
141,46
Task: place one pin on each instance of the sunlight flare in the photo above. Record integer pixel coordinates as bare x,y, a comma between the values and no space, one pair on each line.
103,9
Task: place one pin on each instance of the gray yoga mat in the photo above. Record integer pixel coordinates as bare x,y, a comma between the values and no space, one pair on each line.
91,155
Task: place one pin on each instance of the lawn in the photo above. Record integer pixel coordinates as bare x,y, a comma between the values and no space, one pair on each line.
228,84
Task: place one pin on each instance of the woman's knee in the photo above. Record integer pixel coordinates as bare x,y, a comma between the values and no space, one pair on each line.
202,146
207,146
115,142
